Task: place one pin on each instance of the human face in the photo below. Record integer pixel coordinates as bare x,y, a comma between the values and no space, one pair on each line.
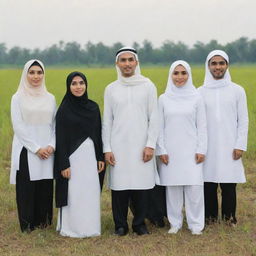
127,64
218,67
78,86
179,76
35,76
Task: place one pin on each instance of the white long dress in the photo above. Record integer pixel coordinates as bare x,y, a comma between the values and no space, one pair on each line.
227,124
81,217
130,124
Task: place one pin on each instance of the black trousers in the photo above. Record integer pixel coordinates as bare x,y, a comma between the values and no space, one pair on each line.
120,203
228,203
157,204
34,198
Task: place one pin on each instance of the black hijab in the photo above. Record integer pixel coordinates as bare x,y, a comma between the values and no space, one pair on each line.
77,119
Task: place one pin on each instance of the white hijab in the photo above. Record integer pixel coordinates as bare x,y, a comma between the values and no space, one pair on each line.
37,104
188,89
137,78
209,81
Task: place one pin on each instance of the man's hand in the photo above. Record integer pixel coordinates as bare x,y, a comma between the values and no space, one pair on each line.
164,159
237,154
110,158
199,158
147,154
66,173
101,166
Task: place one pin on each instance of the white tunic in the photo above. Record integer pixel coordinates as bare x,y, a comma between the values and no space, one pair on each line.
81,217
183,133
32,137
227,124
130,124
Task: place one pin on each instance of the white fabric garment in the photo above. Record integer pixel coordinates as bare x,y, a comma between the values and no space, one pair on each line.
193,196
183,132
227,125
81,217
35,102
29,132
130,124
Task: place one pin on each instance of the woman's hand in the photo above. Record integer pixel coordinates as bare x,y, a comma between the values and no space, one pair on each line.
101,166
66,173
42,153
50,149
199,158
164,159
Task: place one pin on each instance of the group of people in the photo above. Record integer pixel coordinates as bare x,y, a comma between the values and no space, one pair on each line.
188,141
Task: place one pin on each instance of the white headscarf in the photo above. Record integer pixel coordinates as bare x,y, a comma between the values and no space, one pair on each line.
188,89
209,81
37,104
137,78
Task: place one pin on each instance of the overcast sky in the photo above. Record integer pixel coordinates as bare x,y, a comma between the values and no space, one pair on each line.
41,23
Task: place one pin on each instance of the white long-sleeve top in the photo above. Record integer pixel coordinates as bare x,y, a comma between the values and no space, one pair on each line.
227,124
32,137
183,133
130,124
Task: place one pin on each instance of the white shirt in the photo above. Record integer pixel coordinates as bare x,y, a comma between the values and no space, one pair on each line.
130,124
32,137
183,133
227,124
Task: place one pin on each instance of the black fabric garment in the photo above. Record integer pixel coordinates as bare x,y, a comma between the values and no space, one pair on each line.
120,202
77,119
36,63
157,204
228,202
34,198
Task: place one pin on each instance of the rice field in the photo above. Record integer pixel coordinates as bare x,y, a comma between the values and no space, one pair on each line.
218,239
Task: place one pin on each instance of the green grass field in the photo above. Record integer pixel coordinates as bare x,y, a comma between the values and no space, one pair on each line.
218,239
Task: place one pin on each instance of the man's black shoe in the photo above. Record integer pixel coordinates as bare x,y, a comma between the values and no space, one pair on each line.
121,231
142,230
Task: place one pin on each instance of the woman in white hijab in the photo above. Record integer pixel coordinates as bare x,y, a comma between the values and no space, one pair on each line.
182,145
32,114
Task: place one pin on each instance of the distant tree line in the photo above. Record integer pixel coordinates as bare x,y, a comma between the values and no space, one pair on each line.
242,50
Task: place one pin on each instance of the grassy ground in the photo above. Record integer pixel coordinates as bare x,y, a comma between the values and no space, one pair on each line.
218,239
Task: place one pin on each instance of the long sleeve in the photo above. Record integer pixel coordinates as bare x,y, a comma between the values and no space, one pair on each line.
160,146
242,121
201,124
52,141
152,118
107,122
20,128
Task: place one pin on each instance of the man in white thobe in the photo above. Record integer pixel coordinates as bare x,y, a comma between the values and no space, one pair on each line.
130,130
227,124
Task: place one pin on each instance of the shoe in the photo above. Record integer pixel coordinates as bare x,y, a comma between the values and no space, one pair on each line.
121,231
173,230
196,232
142,230
158,223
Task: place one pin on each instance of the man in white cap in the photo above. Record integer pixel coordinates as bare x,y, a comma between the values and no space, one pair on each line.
130,130
227,124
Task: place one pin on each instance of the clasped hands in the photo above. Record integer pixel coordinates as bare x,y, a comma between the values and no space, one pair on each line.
147,155
44,153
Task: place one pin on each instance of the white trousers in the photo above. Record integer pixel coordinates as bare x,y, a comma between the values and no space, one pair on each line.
193,197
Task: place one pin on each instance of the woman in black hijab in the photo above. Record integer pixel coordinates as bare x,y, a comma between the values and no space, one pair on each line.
78,157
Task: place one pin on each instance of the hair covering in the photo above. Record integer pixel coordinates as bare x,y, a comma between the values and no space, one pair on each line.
188,89
37,104
137,78
209,81
77,119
